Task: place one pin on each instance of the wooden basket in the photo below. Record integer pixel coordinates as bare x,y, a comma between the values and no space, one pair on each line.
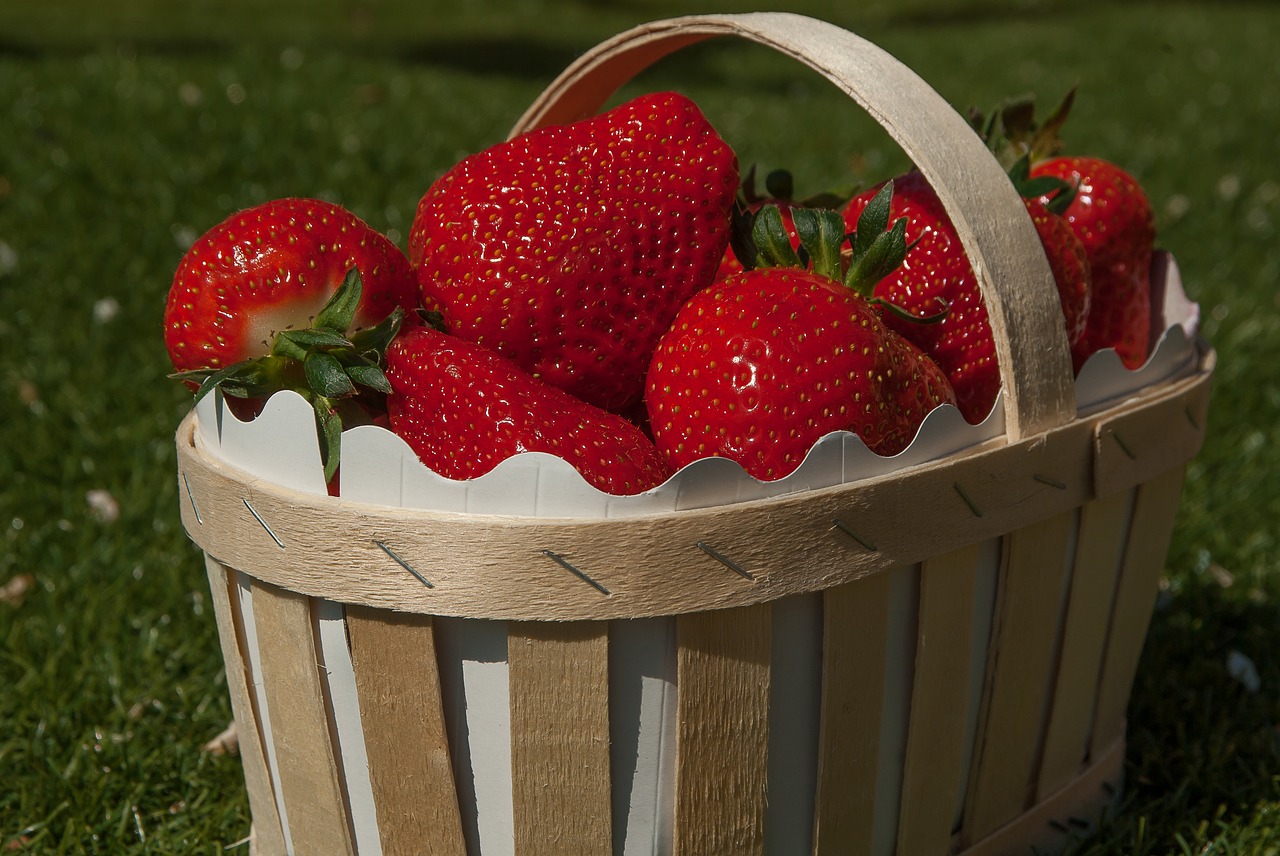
824,692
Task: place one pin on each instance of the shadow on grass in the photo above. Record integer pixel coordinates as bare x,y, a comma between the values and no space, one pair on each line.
1203,748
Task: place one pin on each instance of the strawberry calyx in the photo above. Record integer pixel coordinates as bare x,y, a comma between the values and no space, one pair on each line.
1058,193
1012,131
858,259
1018,141
339,373
779,190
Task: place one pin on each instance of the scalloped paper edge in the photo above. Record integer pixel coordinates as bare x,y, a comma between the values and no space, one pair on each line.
379,467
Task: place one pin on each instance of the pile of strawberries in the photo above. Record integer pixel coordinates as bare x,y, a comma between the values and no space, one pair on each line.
602,291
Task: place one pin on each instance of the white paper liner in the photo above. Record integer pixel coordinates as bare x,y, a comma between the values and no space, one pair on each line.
380,468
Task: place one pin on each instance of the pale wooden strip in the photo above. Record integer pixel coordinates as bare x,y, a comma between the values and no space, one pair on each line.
855,638
1154,514
257,775
936,747
1099,550
1091,795
1135,445
559,679
398,683
1018,675
722,732
318,822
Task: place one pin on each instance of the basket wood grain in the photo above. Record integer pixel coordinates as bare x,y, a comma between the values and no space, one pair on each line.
1040,551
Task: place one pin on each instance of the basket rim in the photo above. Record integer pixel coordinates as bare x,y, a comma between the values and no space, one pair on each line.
499,566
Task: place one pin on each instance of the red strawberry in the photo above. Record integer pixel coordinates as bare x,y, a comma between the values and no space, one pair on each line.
937,274
1070,268
464,409
570,248
293,294
271,268
1113,220
761,365
1106,209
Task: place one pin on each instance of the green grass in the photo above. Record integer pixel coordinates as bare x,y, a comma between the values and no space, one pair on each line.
126,134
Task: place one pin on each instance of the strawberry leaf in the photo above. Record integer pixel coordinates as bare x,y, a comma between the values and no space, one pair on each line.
1060,192
873,221
316,338
821,235
773,244
740,230
369,375
286,346
340,310
329,424
376,339
880,259
1045,139
894,309
240,380
326,376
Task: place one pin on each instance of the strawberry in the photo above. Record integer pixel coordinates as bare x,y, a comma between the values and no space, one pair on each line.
569,249
464,409
937,274
1107,210
1112,217
292,294
764,363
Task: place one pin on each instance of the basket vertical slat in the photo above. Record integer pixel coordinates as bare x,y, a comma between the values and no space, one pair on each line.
855,630
257,774
1154,514
722,732
936,749
1023,645
402,717
1103,526
559,684
308,768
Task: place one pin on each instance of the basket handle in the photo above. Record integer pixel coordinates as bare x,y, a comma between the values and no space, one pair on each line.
998,236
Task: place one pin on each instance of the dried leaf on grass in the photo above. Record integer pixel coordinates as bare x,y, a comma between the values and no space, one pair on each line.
16,589
226,743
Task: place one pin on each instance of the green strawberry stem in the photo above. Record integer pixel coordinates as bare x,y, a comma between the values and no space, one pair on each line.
1018,141
1061,192
322,364
878,248
772,243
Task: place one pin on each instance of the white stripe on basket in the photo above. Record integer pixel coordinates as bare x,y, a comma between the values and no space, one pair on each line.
642,723
340,683
244,589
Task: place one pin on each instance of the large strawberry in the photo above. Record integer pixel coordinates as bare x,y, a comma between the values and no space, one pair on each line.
937,274
764,363
1112,217
569,249
292,294
464,409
